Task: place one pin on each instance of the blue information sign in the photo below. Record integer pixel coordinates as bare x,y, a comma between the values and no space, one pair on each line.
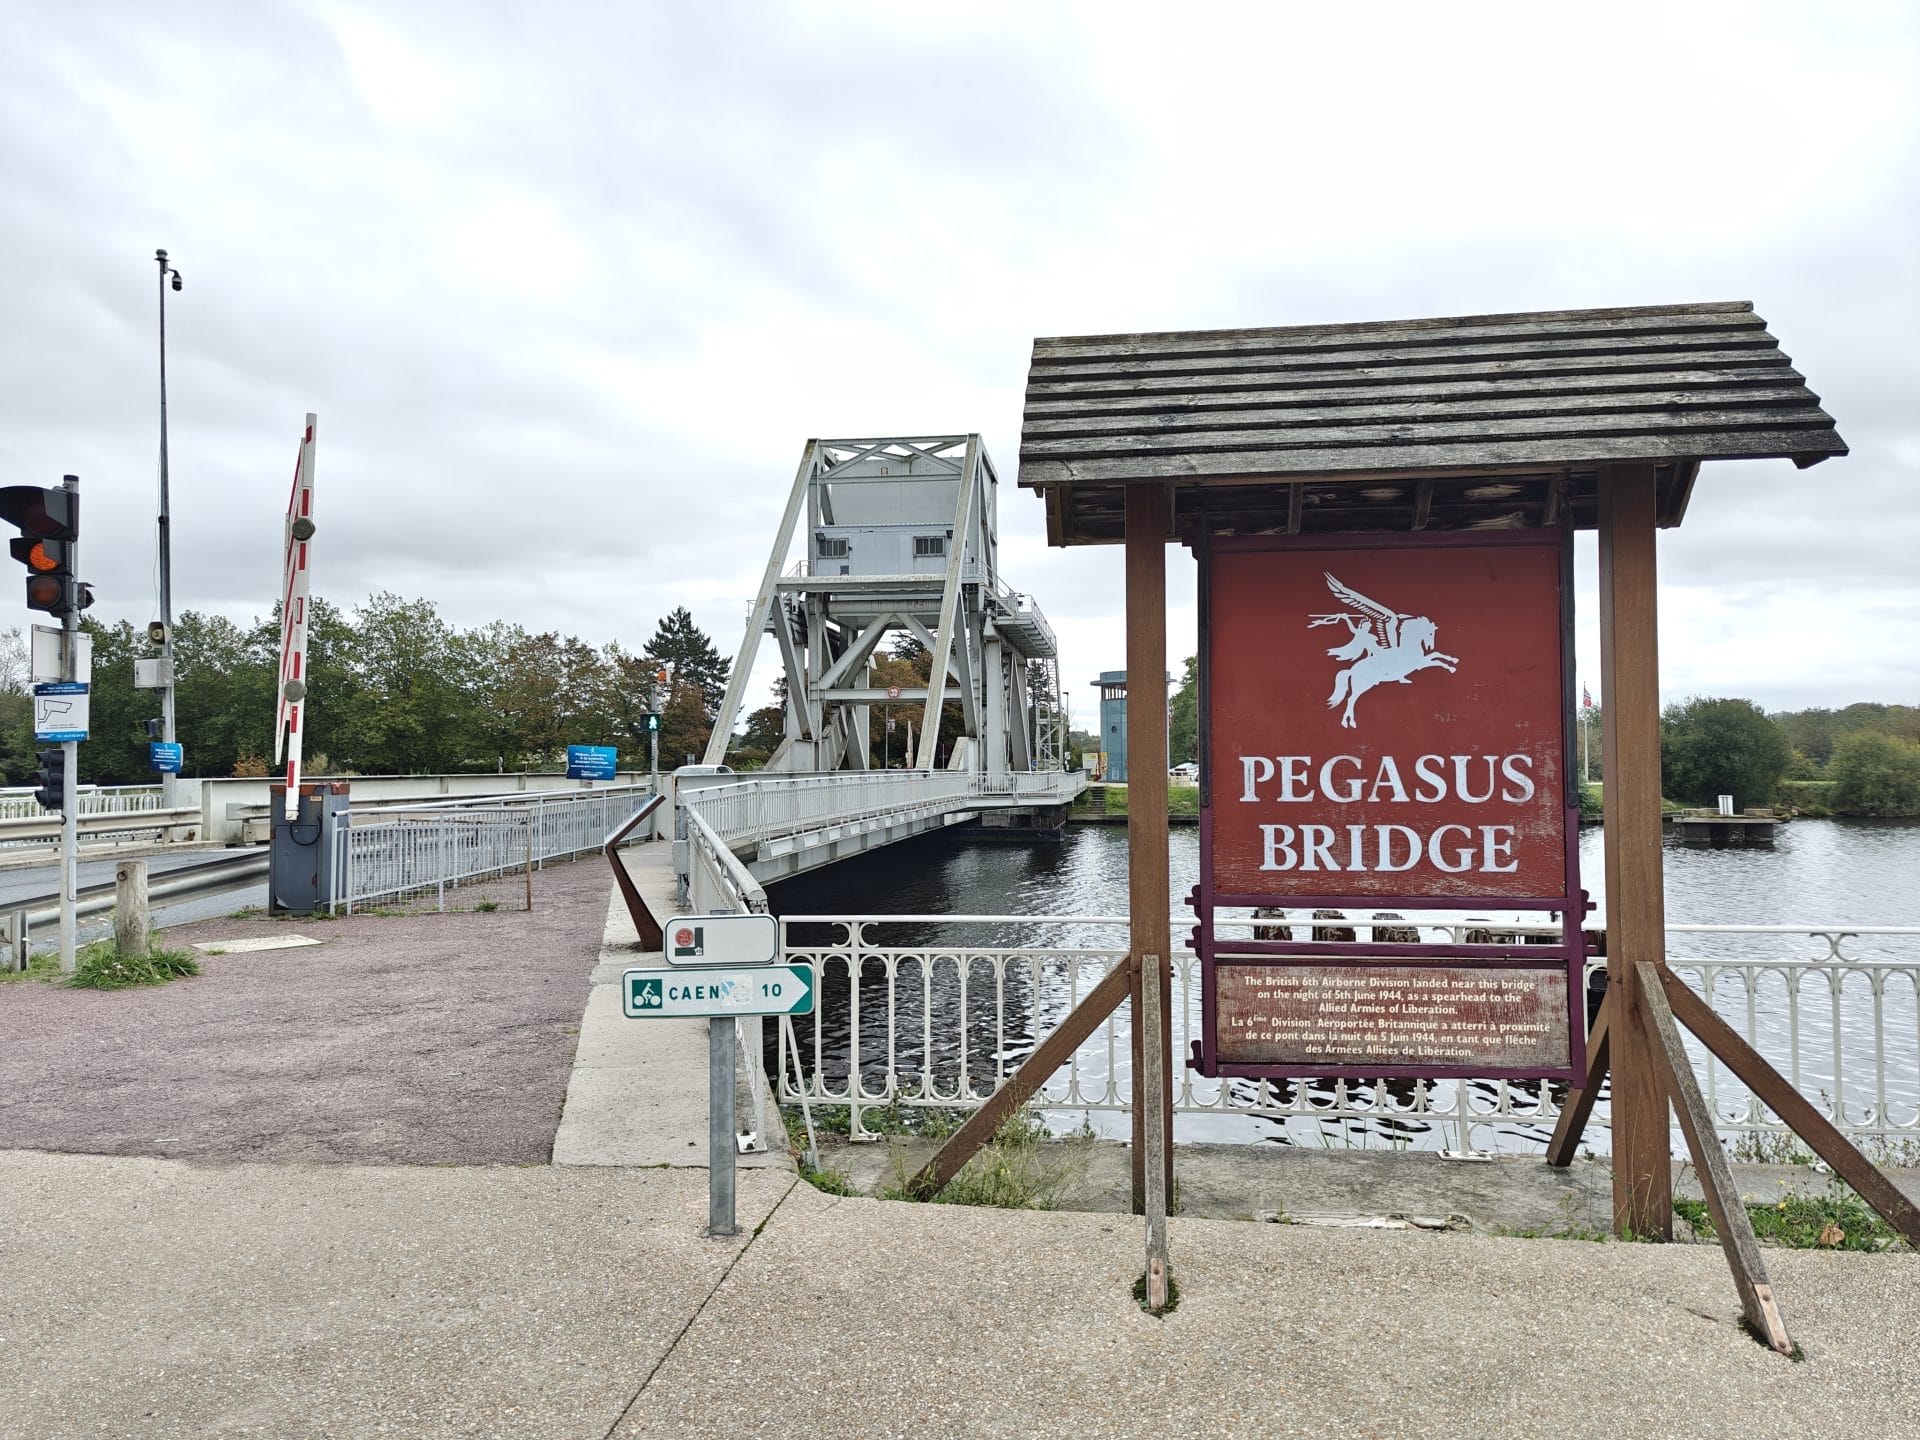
592,762
165,756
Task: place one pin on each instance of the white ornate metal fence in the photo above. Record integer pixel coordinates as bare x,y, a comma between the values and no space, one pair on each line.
407,852
937,1020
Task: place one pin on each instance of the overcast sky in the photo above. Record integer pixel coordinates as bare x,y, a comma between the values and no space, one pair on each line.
569,285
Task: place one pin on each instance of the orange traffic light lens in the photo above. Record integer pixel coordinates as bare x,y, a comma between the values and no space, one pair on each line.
38,559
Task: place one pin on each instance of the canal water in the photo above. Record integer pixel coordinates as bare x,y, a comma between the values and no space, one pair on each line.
1821,874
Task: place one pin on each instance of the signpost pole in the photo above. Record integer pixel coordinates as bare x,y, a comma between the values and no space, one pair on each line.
720,1127
1636,909
1149,903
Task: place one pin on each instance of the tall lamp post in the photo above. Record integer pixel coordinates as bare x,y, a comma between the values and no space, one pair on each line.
168,781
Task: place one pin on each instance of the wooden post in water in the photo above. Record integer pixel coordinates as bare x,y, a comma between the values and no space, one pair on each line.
1635,899
1148,899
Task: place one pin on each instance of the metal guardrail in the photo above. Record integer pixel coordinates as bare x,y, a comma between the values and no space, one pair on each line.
941,1023
716,880
405,851
179,886
44,827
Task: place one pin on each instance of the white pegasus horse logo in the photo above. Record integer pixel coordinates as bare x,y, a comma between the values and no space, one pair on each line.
1383,645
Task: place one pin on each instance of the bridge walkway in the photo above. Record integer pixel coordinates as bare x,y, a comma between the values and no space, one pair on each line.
638,1092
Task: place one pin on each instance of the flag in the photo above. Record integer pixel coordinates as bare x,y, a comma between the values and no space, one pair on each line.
1586,698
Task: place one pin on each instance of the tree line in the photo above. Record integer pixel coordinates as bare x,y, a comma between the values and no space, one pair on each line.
1861,759
393,688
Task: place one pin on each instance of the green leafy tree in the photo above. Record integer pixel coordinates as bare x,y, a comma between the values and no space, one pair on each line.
1875,774
407,715
919,661
1711,747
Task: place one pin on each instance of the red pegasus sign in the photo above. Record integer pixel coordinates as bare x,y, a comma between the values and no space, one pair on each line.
1386,723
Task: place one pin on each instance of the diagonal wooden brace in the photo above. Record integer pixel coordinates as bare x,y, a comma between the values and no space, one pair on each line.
1578,1108
1730,1219
1021,1086
1774,1091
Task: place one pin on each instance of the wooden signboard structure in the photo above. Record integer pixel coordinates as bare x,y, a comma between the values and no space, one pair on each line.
1399,445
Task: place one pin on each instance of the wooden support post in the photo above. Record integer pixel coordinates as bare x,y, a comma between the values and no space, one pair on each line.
1151,1079
1018,1088
1578,1108
1636,904
1773,1090
1730,1219
132,920
1148,519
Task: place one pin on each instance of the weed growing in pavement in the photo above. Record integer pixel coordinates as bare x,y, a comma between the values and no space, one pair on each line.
1837,1220
1570,1228
1012,1171
487,907
45,966
102,967
827,1179
247,912
1173,1293
1760,1147
893,1119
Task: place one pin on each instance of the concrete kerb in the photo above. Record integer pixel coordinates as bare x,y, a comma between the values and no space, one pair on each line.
638,1092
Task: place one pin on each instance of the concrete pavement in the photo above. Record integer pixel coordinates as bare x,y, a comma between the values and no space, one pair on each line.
160,1299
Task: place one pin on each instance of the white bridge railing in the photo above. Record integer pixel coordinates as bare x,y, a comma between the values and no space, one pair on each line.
757,809
18,803
403,852
937,1020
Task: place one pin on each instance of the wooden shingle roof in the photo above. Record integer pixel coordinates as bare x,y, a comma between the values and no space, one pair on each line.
1460,422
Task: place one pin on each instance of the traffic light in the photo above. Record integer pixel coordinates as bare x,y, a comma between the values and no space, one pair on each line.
49,523
52,779
653,722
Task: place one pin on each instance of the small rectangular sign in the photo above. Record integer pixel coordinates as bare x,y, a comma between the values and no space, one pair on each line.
165,756
698,994
722,939
49,650
592,762
60,712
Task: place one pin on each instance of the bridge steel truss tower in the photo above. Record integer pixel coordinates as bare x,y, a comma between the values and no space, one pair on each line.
901,536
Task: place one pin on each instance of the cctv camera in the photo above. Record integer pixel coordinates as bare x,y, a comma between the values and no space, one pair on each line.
176,281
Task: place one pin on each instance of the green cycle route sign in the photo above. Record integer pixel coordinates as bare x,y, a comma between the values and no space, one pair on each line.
699,994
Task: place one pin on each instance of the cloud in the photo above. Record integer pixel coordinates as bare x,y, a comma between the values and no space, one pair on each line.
569,289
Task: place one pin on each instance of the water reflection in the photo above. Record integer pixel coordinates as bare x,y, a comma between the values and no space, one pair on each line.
920,1011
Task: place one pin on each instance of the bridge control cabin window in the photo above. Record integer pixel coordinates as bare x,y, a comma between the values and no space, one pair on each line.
926,547
832,547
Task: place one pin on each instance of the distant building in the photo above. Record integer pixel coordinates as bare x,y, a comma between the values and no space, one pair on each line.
1112,685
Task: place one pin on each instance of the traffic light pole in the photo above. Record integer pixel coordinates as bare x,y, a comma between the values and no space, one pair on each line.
169,795
69,784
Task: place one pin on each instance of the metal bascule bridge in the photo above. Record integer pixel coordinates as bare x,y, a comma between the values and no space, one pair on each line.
901,538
